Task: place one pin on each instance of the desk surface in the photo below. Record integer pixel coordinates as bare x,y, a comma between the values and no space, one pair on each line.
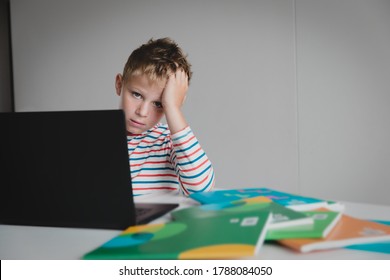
28,242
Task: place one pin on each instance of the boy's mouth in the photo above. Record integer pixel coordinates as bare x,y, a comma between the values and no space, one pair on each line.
135,123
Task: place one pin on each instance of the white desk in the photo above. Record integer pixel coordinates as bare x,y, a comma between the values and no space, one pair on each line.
27,242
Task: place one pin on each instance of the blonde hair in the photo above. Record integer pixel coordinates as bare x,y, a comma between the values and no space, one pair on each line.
157,59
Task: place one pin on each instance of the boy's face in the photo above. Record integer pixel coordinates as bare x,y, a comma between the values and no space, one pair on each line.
141,102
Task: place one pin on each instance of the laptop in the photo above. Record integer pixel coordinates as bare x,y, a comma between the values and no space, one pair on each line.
68,169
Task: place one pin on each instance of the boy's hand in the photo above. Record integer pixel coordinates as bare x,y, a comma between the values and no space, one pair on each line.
172,99
175,91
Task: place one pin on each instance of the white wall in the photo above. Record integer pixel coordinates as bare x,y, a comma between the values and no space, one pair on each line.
284,94
343,54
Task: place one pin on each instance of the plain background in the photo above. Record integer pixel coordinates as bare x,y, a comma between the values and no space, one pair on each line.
291,95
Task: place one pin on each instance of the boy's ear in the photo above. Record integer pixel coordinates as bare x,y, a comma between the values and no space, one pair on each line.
118,84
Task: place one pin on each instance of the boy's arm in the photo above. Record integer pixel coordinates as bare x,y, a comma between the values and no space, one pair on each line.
194,169
191,163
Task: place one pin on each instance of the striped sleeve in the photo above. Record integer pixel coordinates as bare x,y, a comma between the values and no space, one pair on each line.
191,164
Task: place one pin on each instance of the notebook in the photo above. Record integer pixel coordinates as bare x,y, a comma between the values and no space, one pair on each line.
68,169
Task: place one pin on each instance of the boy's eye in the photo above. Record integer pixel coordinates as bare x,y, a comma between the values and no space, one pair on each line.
158,104
136,95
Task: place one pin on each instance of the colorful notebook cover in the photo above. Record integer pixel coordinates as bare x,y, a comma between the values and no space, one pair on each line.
348,231
295,202
324,222
381,247
222,237
281,217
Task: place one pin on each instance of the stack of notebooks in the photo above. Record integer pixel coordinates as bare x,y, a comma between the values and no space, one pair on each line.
235,224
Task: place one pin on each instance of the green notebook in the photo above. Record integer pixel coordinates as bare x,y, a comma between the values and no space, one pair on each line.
281,217
324,222
221,237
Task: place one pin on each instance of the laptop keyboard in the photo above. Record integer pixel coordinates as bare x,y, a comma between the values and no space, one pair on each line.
141,211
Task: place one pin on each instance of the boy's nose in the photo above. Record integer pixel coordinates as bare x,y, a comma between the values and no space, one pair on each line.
142,109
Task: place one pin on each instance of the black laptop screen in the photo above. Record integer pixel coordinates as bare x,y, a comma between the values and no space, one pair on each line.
67,168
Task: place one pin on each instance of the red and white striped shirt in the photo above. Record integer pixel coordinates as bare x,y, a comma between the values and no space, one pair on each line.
161,162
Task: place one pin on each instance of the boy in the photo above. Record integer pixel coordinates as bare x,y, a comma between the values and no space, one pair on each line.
163,157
